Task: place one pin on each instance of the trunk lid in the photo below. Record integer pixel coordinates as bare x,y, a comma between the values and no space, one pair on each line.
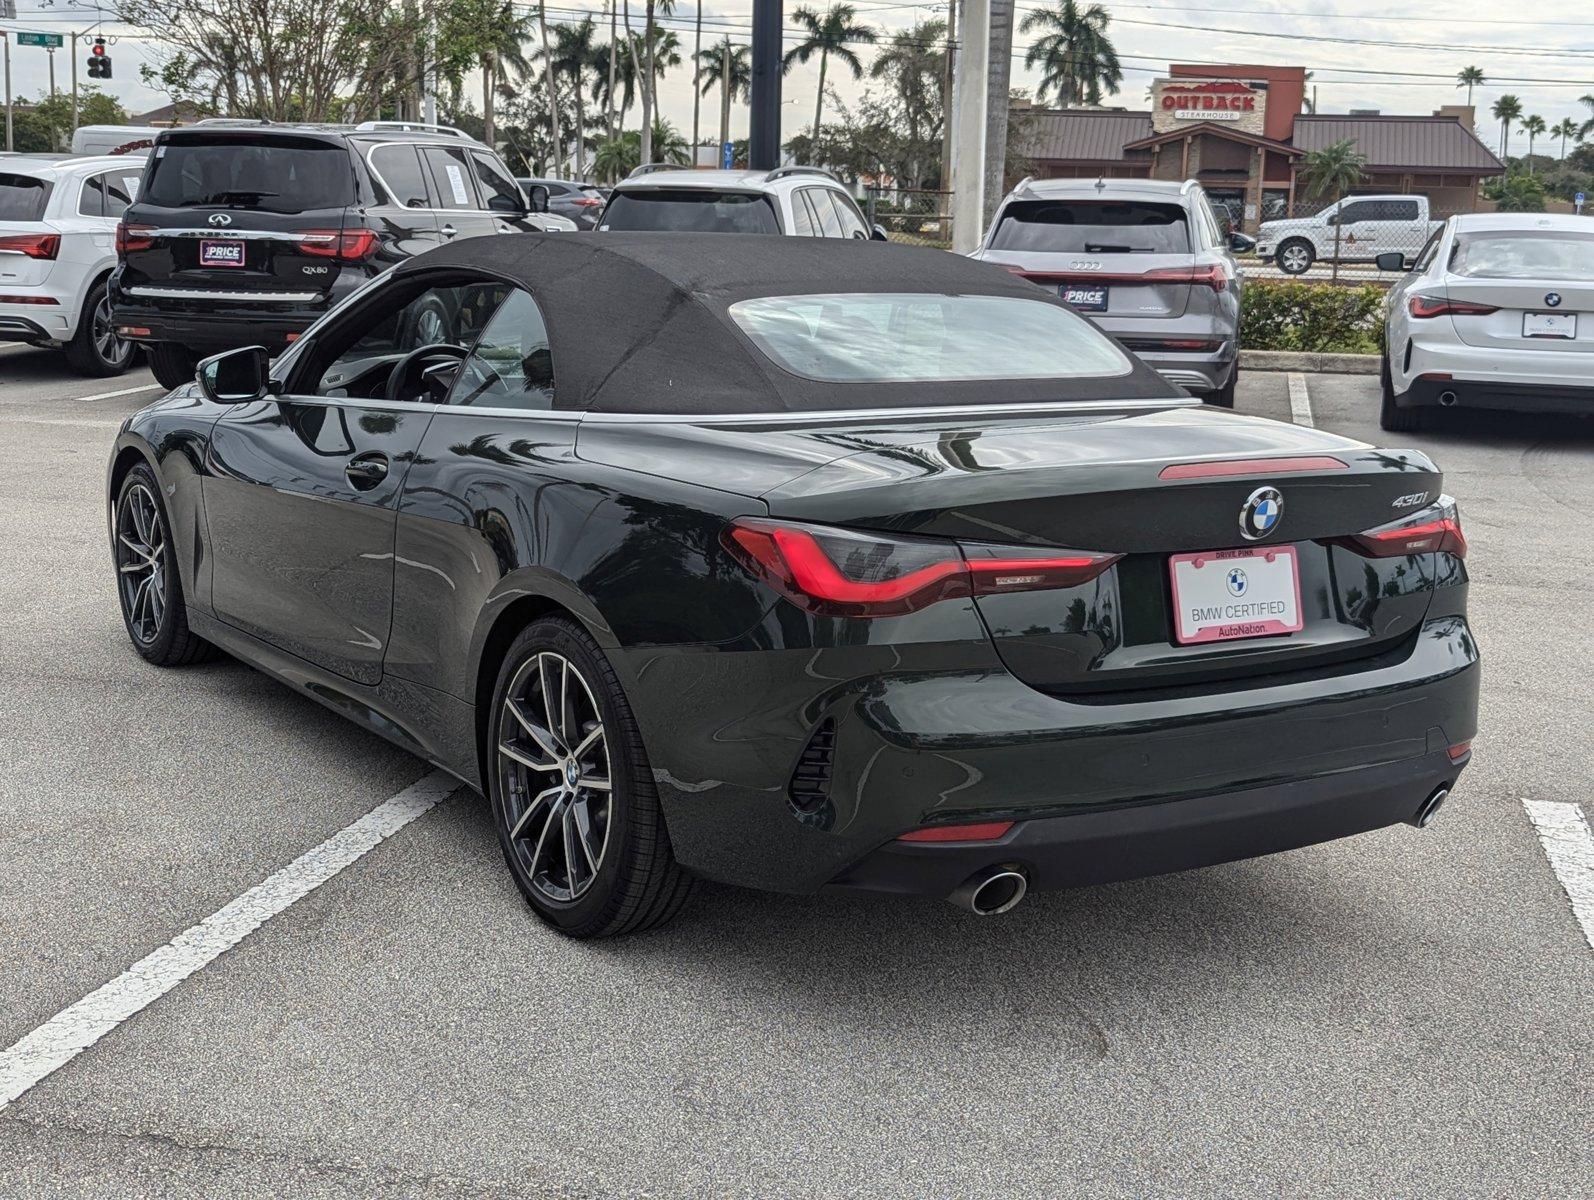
1539,281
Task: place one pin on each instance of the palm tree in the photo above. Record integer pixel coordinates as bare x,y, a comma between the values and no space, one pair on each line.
1332,171
1533,126
1469,78
1076,57
1587,127
913,66
652,70
1506,109
729,68
575,50
828,35
501,45
618,156
697,80
550,78
1566,129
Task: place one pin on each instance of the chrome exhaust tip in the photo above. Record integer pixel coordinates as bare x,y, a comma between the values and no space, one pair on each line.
1448,399
991,892
1429,808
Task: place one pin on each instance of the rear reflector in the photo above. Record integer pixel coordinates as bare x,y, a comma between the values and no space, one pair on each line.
1460,750
1249,466
31,245
28,300
131,331
1423,307
987,831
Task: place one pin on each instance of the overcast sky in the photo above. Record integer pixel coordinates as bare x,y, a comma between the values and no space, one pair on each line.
1547,64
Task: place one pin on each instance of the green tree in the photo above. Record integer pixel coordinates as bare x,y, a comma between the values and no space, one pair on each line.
730,68
1517,192
912,65
1332,171
1534,127
1587,127
829,35
1505,110
575,52
1469,78
47,127
1566,129
618,156
485,34
1077,60
652,70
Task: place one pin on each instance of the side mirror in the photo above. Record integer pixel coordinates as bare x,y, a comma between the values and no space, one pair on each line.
878,233
236,377
1393,261
1241,243
504,204
537,197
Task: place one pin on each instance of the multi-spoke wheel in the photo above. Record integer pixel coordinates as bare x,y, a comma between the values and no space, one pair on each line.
95,349
146,575
572,796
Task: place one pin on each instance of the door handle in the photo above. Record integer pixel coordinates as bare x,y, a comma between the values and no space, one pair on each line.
365,471
448,231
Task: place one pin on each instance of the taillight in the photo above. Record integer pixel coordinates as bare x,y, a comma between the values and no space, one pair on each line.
1422,307
345,245
134,237
1436,529
1211,275
31,245
846,573
587,202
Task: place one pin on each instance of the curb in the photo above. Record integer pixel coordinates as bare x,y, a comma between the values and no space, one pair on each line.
1322,364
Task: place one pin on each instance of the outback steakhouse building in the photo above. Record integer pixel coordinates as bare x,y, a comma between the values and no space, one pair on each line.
1241,130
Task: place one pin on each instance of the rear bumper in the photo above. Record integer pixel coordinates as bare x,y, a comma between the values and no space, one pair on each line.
38,322
212,326
1499,394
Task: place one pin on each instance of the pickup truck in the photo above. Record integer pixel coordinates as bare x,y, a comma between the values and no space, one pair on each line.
1367,226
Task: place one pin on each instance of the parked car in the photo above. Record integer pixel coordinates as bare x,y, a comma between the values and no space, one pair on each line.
1498,312
858,567
1145,260
795,201
247,232
58,217
1355,229
579,202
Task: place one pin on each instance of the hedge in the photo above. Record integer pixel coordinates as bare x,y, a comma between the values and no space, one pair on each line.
1322,318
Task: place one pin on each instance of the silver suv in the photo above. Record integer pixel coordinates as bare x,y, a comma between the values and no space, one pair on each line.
1147,261
795,201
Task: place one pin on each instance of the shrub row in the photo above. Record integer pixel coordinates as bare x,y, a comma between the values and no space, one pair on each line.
1319,318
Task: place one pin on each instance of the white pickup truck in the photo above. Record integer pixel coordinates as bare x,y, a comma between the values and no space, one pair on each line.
1367,226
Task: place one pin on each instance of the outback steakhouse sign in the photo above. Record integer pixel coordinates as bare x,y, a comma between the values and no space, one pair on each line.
1177,103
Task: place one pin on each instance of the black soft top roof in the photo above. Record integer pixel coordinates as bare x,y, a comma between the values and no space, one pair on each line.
637,322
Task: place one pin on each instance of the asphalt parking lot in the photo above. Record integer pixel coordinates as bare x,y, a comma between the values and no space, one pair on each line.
1402,1014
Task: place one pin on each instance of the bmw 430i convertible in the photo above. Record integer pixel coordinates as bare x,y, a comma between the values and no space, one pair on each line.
804,565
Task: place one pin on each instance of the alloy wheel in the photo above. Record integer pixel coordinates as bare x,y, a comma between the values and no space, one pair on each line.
1295,259
141,563
430,328
553,772
113,351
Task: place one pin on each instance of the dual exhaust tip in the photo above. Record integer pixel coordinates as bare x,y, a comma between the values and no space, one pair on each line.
991,892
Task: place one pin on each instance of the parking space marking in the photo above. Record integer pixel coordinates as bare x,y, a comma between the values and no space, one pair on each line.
132,391
1570,848
75,1028
1300,401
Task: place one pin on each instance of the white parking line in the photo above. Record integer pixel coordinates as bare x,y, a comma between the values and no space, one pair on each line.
74,1029
1570,848
1300,401
132,391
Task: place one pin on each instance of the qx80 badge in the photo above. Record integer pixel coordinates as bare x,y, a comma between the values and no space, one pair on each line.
1261,513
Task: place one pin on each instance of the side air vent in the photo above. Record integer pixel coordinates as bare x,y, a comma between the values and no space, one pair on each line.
809,789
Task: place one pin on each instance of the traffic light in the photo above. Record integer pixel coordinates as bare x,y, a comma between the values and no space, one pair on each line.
99,62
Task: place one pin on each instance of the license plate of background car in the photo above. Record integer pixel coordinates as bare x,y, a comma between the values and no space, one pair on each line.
1085,299
1561,327
1224,595
221,254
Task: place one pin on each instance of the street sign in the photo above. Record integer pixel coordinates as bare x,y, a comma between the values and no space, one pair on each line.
727,155
1578,200
53,40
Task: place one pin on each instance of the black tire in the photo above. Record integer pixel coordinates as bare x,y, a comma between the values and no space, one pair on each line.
1391,417
148,584
1300,262
95,350
173,364
1224,396
633,882
430,323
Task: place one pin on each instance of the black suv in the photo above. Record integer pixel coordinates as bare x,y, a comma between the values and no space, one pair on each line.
244,233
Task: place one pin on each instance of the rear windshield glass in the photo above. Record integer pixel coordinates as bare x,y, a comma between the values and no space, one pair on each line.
909,337
281,175
691,210
22,197
1093,227
1524,254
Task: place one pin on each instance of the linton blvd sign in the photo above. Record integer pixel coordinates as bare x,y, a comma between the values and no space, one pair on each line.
1235,102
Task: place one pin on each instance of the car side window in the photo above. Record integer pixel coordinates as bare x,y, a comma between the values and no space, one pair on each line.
803,221
451,177
91,200
1426,256
400,169
500,193
829,219
1351,213
511,365
1207,222
852,224
1401,210
121,189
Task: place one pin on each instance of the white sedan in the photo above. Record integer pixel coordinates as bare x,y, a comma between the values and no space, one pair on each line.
1498,312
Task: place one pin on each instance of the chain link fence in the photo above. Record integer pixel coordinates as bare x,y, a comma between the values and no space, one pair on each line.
915,217
1319,244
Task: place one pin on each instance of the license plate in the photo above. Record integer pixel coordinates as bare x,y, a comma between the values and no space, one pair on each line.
221,254
1220,595
1560,326
1086,299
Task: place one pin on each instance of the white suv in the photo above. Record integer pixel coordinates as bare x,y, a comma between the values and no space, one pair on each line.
58,219
795,201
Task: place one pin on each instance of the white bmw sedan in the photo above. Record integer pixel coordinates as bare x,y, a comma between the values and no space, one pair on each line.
1498,312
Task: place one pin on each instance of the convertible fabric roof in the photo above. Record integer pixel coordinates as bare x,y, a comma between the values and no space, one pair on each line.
637,322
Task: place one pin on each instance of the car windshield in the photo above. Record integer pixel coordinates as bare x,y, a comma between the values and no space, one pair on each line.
1524,254
22,197
1093,227
690,210
909,337
281,175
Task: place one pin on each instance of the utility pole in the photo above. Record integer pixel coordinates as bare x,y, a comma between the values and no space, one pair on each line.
946,116
763,135
968,133
74,81
6,38
50,50
725,97
996,104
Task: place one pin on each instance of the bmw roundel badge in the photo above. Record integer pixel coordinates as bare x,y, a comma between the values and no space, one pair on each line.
1261,513
1552,299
